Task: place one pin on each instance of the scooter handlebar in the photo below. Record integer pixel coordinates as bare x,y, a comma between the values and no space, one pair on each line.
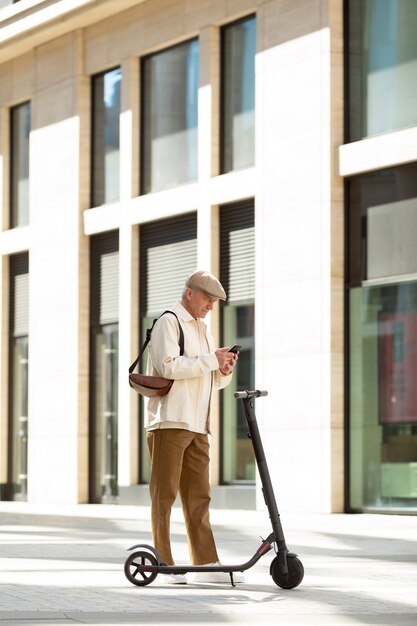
256,393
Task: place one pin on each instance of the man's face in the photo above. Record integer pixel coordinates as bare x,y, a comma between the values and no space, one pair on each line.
198,303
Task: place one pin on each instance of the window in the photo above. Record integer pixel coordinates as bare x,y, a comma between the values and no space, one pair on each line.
382,222
169,117
19,165
382,57
104,335
106,137
237,275
168,254
238,95
19,362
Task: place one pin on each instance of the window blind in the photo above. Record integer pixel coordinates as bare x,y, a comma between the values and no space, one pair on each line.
104,278
19,294
168,253
237,252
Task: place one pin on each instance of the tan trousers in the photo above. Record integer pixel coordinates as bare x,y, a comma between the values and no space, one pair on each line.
180,462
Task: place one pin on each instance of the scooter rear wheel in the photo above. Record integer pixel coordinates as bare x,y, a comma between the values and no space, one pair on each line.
138,568
295,573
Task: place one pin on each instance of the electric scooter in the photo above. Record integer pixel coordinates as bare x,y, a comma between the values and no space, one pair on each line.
287,571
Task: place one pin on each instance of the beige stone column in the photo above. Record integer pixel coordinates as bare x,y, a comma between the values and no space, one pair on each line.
337,259
83,111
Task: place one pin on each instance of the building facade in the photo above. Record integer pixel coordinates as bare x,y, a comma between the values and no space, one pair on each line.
273,143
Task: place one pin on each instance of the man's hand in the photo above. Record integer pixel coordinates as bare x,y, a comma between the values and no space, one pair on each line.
226,360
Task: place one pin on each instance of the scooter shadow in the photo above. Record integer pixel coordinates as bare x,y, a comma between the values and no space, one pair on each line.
236,593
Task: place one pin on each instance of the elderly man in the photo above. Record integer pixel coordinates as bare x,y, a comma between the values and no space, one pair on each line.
178,424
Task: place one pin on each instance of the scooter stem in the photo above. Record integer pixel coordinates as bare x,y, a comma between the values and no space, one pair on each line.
267,490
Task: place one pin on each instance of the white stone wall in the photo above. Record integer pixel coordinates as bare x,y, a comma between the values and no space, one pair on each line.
299,300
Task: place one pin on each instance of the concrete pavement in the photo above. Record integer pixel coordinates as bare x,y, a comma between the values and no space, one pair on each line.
64,565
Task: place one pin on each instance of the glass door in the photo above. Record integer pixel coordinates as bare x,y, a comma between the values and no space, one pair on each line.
19,420
104,423
382,314
238,461
237,275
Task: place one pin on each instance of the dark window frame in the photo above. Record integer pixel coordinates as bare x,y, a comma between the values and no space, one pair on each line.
246,203
93,329
223,30
347,46
93,126
348,285
12,147
25,260
184,218
142,148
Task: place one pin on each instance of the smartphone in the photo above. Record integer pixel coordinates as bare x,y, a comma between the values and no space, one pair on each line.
235,349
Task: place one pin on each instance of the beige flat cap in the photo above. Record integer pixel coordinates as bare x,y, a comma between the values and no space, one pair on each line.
204,281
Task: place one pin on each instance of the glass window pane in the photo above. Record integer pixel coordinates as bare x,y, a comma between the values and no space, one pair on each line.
237,275
238,95
383,339
104,435
19,362
106,137
383,396
19,419
104,312
169,129
382,224
382,66
391,246
19,174
238,461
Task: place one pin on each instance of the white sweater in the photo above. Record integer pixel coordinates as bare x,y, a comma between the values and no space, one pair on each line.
196,374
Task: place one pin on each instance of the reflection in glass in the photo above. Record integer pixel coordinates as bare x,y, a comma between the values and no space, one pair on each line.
106,137
238,462
18,398
238,95
19,430
105,422
382,222
382,66
237,275
19,173
104,313
383,396
170,113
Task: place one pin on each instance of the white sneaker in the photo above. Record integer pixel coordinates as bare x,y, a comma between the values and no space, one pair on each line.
217,577
173,579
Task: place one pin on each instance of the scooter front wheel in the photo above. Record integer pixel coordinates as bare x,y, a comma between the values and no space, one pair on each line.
295,573
139,568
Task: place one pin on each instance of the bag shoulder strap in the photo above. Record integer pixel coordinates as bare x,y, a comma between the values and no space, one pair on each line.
148,338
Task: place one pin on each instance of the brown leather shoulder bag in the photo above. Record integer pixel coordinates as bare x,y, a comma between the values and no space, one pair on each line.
153,386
